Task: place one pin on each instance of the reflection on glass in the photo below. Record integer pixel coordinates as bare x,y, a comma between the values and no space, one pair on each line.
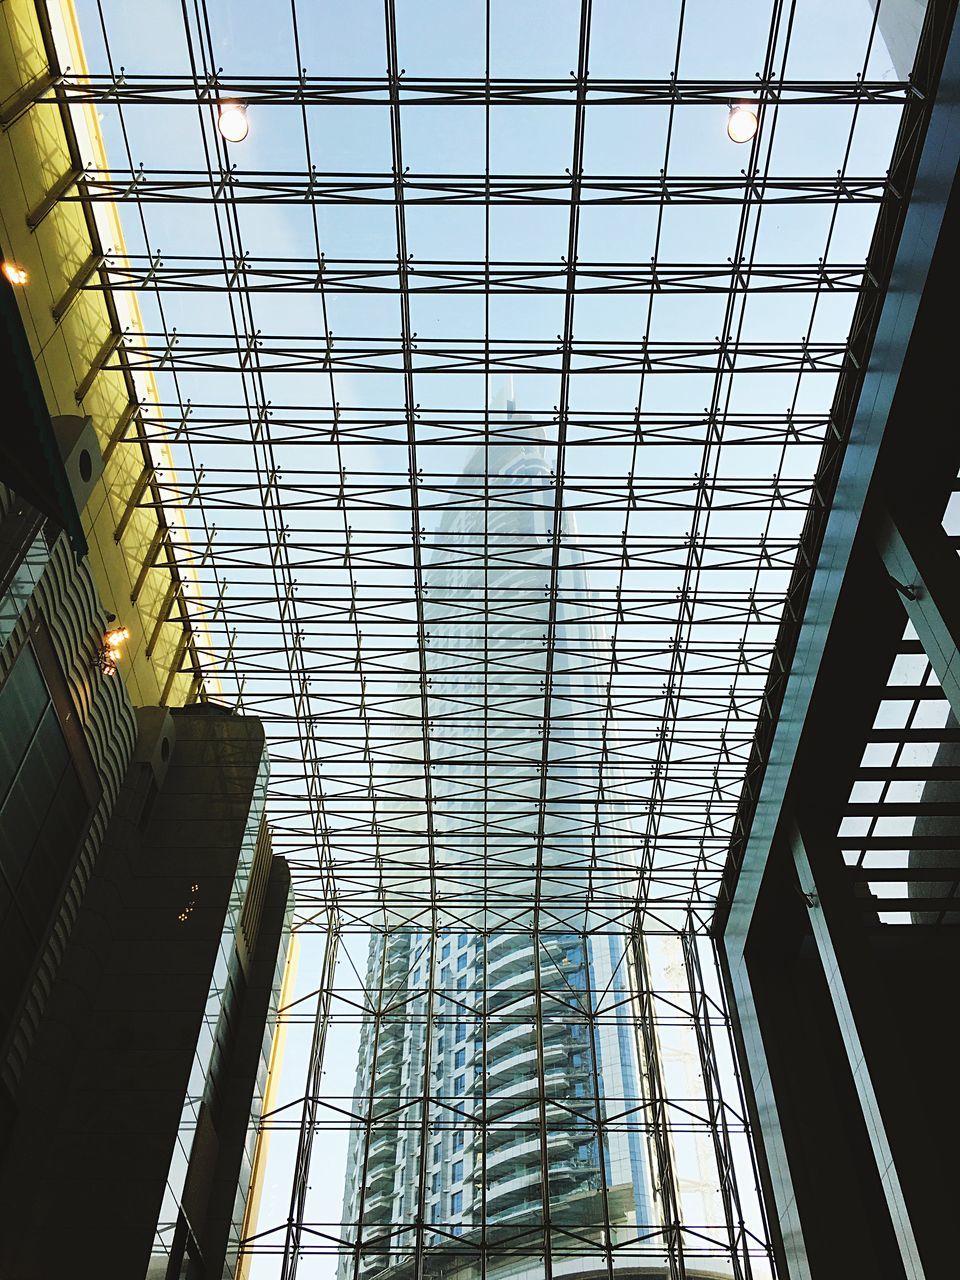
498,1086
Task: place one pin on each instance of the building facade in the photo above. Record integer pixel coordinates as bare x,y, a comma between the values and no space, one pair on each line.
507,1026
144,921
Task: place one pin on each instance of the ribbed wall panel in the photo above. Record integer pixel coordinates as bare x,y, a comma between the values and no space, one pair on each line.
67,600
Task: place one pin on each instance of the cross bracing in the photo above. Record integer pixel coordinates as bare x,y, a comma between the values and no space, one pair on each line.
306,90
197,274
228,188
505,595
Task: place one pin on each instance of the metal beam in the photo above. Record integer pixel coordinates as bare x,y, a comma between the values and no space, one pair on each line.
306,90
925,569
821,906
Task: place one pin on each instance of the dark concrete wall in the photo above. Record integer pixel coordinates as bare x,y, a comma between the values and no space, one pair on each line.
82,1179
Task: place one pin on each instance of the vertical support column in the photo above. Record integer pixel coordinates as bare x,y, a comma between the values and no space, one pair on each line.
716,1112
660,1129
594,997
790,1247
308,1121
835,959
542,1104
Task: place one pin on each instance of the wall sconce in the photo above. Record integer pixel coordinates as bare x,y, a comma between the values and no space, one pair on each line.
15,273
111,651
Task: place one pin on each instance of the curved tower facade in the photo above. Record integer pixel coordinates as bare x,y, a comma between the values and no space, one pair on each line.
505,1099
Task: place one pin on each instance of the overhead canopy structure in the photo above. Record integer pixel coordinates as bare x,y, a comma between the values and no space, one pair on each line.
429,207
503,390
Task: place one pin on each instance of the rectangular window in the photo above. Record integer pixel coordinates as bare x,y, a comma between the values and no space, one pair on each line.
461,1031
457,1140
436,1153
445,951
462,940
461,984
444,976
458,1085
434,1213
462,961
459,1058
435,1183
457,1172
456,1202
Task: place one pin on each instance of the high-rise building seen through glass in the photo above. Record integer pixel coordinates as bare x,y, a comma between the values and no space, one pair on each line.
518,1013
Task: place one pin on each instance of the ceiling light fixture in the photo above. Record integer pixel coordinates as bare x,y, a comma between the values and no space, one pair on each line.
16,275
232,121
742,122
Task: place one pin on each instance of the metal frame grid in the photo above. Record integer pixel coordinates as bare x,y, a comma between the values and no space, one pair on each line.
557,748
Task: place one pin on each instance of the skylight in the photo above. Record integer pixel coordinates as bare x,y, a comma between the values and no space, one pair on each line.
495,377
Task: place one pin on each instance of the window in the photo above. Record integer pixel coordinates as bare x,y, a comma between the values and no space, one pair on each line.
461,1031
458,1085
461,984
445,952
444,976
416,976
457,1144
462,961
440,1046
436,1153
434,1213
38,840
459,1058
462,940
456,1202
457,1171
435,1183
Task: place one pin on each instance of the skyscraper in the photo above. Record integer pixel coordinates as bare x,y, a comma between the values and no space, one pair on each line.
512,1006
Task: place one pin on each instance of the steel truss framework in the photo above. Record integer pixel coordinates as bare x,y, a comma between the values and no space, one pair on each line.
517,709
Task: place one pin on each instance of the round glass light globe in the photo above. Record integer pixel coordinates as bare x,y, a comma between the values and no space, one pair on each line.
232,121
741,123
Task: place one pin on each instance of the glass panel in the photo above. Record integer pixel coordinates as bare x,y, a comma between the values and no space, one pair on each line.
509,373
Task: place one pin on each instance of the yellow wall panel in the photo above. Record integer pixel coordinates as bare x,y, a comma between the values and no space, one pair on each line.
23,57
34,155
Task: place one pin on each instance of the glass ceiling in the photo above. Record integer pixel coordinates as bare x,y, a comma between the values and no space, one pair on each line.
442,210
494,378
